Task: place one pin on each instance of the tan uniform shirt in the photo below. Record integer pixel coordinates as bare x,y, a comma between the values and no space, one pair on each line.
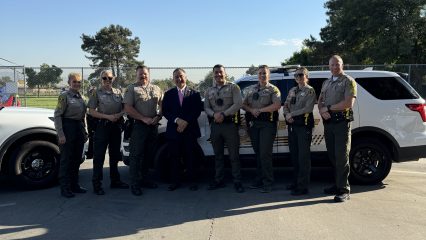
145,99
267,95
70,105
230,95
333,92
107,102
305,99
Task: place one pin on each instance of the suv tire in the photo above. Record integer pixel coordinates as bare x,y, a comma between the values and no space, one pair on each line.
370,161
36,164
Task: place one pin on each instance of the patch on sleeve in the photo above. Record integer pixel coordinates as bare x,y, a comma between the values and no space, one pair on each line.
353,87
61,101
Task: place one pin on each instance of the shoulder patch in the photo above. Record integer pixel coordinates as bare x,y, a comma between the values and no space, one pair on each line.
61,100
353,87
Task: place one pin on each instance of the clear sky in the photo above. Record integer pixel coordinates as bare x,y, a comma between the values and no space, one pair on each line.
172,33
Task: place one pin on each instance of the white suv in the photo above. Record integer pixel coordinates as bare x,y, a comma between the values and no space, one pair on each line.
389,125
28,146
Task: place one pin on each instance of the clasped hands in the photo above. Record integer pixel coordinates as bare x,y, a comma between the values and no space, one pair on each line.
151,121
114,117
324,113
181,124
255,112
289,118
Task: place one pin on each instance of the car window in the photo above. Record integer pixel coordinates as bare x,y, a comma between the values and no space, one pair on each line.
316,83
244,86
388,88
284,85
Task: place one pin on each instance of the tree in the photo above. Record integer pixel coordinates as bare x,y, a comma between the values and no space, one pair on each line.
369,32
4,80
47,77
113,47
166,84
252,70
206,83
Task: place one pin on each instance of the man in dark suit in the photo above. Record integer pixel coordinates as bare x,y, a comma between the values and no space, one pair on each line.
181,107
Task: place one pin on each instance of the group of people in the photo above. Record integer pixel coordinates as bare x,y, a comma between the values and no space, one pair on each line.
181,106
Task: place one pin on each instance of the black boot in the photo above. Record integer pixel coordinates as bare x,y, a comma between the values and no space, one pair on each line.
97,188
66,192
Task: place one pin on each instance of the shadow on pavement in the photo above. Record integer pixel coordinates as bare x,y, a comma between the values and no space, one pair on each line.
43,214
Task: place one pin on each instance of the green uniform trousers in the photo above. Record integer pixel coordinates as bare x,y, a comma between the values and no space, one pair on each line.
338,142
71,152
107,135
300,138
142,143
221,134
262,135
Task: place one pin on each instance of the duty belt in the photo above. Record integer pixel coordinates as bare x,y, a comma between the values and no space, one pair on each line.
265,116
229,119
339,116
306,119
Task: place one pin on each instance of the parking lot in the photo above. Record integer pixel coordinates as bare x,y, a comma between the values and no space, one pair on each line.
395,209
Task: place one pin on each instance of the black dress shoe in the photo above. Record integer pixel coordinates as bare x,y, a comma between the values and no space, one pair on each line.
99,191
266,189
342,197
137,191
298,191
330,190
66,192
78,189
173,187
238,187
149,184
216,185
119,185
193,187
290,186
256,185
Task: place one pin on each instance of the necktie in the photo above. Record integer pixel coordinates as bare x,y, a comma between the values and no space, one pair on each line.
180,96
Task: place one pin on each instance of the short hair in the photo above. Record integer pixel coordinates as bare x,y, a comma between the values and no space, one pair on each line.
76,75
337,57
105,71
218,66
305,70
264,66
178,69
142,67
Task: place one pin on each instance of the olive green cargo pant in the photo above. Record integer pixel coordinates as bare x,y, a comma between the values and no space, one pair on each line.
338,142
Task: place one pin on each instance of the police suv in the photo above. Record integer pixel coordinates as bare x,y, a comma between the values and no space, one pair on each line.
389,125
29,152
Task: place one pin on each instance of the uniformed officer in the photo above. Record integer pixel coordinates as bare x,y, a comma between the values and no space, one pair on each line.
222,104
105,105
298,114
142,101
335,106
261,104
69,123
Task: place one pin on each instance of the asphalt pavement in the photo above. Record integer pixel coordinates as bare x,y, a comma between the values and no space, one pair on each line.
394,209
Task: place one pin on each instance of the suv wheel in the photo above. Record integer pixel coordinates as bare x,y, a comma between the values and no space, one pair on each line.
370,161
36,164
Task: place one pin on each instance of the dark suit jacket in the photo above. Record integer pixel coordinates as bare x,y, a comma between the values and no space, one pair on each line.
189,111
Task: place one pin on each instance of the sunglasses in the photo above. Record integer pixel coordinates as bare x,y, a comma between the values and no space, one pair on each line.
105,78
299,75
75,81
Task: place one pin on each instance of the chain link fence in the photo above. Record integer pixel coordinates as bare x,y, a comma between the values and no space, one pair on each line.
15,80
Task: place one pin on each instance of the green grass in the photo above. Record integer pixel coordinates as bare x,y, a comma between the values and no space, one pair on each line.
41,102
